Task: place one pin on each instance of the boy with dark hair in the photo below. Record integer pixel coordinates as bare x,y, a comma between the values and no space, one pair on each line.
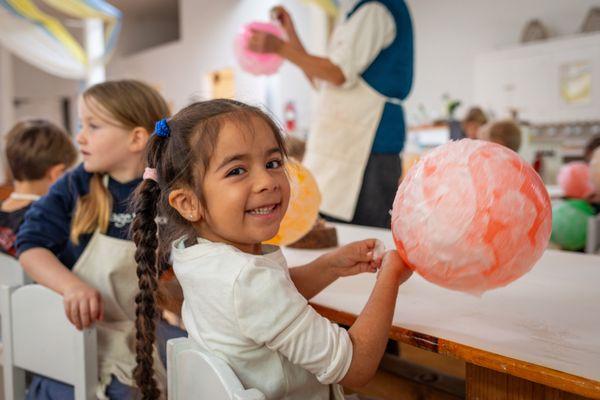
38,153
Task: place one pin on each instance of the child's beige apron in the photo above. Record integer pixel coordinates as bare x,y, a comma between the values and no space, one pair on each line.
108,265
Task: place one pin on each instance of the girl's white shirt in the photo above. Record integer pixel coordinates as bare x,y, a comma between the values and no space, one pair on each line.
246,309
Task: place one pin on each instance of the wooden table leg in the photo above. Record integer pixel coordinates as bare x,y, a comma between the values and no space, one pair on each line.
486,384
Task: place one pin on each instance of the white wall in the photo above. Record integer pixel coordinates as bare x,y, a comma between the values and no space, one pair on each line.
6,102
207,32
450,34
448,37
177,69
42,94
144,31
527,78
7,88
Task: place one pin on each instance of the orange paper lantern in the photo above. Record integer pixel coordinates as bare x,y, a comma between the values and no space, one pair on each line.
471,216
303,209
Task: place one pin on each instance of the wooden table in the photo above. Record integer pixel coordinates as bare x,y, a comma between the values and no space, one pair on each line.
538,338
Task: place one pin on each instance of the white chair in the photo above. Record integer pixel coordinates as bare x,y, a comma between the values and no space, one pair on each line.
193,374
38,338
593,235
11,274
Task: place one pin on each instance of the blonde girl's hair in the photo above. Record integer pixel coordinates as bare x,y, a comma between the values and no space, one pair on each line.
130,104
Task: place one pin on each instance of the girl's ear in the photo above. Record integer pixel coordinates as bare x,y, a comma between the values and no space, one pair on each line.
186,203
138,137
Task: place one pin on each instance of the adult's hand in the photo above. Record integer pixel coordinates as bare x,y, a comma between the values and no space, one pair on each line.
263,42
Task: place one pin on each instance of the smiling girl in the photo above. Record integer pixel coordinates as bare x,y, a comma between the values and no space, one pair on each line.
218,180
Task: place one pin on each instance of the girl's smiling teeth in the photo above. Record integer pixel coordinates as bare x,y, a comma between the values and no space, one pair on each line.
265,210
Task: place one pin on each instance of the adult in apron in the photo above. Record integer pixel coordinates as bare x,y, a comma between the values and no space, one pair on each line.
358,128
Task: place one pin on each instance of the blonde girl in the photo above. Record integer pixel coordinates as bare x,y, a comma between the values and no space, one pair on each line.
74,240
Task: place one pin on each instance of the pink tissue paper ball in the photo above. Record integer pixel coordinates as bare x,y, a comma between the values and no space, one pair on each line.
574,180
257,63
471,216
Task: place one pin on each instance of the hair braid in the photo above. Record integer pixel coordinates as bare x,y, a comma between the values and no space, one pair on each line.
144,230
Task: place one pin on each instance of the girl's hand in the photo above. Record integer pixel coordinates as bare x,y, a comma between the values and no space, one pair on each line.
393,264
83,305
355,258
263,42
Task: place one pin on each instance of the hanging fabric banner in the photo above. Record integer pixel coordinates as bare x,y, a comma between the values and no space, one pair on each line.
93,9
43,41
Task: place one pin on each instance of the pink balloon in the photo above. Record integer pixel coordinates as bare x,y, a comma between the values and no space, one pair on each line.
257,63
575,181
471,216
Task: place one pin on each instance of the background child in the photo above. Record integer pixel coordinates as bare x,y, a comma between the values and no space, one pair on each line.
505,132
74,239
219,181
38,153
592,144
469,125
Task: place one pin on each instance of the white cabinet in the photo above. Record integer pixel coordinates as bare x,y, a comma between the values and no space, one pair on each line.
528,77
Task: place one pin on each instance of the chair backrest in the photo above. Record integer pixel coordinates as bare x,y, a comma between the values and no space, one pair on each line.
11,273
194,374
38,337
593,235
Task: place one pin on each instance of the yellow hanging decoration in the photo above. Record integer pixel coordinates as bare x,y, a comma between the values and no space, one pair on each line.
328,6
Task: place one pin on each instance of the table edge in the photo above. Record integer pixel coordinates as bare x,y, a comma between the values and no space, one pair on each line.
532,372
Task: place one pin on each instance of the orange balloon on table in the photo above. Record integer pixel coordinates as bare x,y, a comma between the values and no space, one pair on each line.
303,209
471,216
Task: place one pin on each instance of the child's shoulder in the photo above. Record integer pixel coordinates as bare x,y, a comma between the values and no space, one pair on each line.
75,181
220,258
14,218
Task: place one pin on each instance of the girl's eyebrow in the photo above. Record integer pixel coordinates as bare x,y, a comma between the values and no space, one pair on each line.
235,157
91,117
242,156
273,151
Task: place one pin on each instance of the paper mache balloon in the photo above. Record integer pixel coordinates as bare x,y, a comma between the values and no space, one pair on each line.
570,223
257,63
303,209
471,216
595,170
574,180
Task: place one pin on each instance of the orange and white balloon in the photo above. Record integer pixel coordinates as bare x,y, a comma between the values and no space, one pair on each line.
471,216
303,208
574,179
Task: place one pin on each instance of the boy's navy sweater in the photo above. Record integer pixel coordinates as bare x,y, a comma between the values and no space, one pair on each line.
48,222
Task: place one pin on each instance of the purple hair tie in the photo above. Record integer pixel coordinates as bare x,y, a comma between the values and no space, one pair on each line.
161,128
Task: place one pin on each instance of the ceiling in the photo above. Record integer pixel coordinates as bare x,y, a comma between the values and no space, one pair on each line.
145,8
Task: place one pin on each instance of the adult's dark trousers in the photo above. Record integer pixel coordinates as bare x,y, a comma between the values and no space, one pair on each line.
379,186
